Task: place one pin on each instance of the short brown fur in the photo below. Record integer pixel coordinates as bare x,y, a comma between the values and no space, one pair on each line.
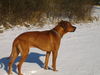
48,41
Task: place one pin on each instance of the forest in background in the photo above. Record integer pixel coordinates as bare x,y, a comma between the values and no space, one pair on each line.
18,12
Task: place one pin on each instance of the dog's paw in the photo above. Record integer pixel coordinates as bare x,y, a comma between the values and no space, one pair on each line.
20,74
55,70
10,73
46,68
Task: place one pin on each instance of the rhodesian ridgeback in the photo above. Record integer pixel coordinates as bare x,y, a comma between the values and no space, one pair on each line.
48,41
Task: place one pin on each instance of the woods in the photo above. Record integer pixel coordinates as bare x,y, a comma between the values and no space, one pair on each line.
17,12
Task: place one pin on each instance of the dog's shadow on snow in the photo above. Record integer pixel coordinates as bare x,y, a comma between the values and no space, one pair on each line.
32,58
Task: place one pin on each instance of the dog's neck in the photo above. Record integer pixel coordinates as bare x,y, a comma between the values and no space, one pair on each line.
56,33
59,31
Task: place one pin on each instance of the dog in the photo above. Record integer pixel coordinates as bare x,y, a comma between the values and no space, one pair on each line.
48,41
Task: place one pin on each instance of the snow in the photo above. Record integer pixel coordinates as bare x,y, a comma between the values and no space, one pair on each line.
79,53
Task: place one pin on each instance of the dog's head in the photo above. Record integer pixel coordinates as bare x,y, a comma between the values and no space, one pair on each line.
67,26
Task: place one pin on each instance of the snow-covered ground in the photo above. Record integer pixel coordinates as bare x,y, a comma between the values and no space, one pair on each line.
79,53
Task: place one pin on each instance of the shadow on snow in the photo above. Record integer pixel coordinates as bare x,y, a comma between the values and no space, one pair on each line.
32,58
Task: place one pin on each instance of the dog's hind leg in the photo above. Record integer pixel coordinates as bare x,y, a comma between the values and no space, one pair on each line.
24,53
21,62
46,60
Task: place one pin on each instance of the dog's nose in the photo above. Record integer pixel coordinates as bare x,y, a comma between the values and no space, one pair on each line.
74,29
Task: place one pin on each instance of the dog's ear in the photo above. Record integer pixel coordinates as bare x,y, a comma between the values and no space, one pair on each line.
62,21
64,27
63,24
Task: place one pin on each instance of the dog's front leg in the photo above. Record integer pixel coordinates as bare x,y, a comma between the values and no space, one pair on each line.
46,60
54,57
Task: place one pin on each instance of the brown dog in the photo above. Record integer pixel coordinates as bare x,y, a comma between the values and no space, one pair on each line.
48,41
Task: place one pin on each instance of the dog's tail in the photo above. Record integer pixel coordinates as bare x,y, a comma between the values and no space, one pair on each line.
10,54
13,51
